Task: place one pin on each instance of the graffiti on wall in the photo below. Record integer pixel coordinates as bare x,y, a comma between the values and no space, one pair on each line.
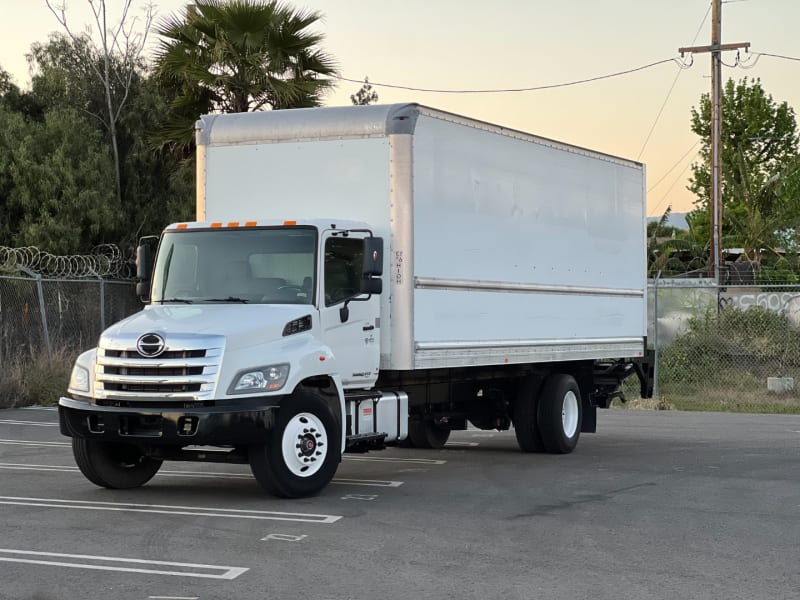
787,303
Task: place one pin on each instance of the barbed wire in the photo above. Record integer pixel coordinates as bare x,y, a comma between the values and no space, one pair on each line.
105,261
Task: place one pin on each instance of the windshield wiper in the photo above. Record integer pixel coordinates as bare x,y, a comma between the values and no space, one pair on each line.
181,300
228,299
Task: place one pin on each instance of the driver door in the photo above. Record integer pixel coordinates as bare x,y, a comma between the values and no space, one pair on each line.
349,319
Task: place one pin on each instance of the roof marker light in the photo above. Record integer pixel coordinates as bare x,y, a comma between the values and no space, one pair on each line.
217,224
182,226
250,224
233,224
290,223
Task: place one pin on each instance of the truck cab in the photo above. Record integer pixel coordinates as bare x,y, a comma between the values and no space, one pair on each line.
240,316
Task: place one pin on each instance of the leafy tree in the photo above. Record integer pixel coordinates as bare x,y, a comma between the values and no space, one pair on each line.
238,56
364,96
56,175
16,100
152,194
760,174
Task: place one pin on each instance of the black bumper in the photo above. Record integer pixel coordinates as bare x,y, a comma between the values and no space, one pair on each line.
226,425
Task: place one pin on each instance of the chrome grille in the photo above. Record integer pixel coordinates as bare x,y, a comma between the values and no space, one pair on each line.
178,374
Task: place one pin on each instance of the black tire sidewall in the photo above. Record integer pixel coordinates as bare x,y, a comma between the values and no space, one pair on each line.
427,435
525,417
100,463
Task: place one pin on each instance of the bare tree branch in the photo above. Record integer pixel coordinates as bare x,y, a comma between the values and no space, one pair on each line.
120,42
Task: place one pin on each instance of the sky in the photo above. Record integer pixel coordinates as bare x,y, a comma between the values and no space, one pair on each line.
473,44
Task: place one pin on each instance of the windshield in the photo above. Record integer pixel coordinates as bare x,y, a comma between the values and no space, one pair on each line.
260,266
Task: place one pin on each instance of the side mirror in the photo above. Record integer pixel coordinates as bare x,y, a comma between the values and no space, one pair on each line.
371,282
372,285
144,261
373,257
143,290
144,267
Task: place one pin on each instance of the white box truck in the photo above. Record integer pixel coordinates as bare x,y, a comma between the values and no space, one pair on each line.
362,276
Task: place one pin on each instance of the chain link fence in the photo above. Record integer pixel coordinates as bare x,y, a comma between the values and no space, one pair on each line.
724,348
52,316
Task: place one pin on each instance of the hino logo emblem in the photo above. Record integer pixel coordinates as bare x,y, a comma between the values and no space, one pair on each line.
150,345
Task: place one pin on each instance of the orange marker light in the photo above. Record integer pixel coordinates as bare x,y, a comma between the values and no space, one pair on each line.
216,225
233,224
250,224
290,223
182,226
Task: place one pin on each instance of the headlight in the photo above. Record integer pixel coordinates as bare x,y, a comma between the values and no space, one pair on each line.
79,380
267,379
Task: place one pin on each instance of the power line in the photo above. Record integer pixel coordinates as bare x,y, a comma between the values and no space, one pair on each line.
677,61
777,56
660,202
679,161
672,87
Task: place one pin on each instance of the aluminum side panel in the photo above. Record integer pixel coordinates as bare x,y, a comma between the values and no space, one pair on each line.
562,229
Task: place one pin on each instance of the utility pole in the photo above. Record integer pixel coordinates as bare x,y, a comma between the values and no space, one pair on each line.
715,210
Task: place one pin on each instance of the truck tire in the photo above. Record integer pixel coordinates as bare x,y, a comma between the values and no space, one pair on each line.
114,466
525,419
426,434
302,452
559,413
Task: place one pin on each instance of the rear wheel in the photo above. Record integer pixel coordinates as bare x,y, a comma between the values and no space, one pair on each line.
302,452
560,413
526,422
426,434
115,466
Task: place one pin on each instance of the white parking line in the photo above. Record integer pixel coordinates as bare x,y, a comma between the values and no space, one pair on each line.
30,443
196,474
417,461
36,423
471,444
93,562
50,408
166,509
368,482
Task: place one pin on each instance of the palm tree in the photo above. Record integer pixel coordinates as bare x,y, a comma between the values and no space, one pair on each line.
238,56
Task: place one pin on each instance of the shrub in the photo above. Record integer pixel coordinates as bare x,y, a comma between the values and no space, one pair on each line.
39,381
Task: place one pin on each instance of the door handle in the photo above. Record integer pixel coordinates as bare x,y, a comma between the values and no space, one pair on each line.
368,327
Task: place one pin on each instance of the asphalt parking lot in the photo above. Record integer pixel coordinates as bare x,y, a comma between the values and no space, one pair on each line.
655,505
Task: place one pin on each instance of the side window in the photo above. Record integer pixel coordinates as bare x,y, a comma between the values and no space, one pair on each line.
344,258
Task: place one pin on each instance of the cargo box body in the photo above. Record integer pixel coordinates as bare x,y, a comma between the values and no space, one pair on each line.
501,247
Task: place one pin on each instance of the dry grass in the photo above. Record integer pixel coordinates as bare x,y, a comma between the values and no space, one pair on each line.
719,400
35,381
644,404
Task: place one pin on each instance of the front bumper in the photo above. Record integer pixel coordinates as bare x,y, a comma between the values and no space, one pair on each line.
226,425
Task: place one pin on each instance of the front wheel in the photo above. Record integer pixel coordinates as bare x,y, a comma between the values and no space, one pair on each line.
111,465
560,413
302,452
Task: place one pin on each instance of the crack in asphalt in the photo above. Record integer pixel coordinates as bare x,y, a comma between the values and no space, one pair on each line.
547,509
